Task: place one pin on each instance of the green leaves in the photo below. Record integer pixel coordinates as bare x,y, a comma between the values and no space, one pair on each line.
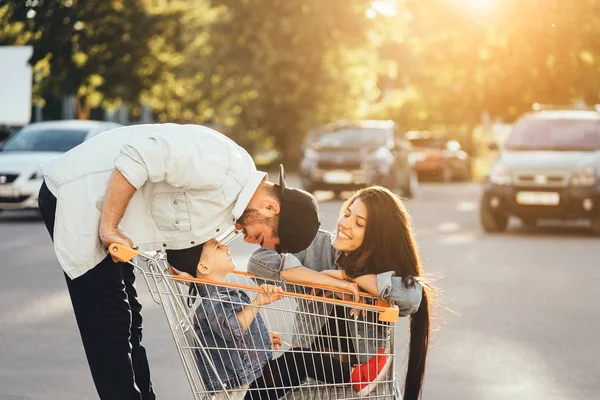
266,71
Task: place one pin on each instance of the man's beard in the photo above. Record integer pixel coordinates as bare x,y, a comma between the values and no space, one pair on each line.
251,216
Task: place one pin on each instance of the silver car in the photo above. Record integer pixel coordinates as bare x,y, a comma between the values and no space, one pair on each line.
23,153
549,168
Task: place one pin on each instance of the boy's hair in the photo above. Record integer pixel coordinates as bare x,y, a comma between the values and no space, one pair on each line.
185,260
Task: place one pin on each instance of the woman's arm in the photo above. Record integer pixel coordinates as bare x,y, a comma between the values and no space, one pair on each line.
368,283
307,276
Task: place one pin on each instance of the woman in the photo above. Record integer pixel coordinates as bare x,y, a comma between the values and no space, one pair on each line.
373,247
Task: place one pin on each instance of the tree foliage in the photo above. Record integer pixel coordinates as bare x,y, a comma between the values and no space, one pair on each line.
271,69
266,71
94,49
502,61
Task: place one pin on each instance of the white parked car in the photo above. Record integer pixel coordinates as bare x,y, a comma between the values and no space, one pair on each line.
23,153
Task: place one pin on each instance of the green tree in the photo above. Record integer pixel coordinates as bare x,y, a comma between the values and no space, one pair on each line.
95,50
266,71
501,61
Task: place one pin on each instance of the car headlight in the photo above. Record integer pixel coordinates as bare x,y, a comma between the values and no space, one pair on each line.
382,157
310,154
584,177
36,176
500,175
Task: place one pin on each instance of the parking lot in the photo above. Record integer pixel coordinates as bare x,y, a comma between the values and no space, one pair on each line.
517,316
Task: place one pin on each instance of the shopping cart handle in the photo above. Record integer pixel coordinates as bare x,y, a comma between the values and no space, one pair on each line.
122,252
390,314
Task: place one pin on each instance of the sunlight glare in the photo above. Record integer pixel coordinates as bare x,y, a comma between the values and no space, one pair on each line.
385,7
479,5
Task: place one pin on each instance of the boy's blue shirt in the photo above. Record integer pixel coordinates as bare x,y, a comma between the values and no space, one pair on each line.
238,356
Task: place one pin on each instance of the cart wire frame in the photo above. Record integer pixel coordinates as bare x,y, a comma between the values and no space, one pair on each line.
313,312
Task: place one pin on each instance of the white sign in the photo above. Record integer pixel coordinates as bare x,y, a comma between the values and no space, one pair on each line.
338,177
9,191
538,198
15,85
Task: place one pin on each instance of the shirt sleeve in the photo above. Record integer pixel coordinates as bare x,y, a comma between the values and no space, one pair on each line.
221,317
392,288
183,159
265,263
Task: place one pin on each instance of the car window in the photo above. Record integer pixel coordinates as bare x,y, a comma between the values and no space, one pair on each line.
351,137
56,140
555,134
101,129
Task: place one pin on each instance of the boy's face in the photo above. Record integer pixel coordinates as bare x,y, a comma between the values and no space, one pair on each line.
217,258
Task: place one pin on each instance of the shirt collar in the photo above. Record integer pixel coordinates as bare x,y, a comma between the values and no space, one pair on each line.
247,192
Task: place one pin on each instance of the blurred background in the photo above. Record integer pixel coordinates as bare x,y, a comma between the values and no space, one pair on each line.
482,114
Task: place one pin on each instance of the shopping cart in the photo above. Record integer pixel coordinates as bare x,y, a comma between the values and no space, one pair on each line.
306,316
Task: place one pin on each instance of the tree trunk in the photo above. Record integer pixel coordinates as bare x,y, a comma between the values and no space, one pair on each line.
82,107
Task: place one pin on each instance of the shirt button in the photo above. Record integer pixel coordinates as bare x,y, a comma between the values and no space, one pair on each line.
218,230
174,201
192,242
177,221
164,245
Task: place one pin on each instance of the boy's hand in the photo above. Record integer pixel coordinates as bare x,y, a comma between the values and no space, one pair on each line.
269,294
275,340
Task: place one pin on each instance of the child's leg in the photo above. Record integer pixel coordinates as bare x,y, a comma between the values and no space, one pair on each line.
292,368
334,335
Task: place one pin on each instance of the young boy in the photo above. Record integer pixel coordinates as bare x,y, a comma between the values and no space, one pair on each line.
239,345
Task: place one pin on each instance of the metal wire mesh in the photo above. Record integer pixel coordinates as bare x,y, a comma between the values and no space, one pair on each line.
327,332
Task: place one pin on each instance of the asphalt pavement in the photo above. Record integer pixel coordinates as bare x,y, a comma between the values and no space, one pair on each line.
517,313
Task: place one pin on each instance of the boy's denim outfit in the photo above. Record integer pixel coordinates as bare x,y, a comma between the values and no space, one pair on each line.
320,256
244,360
220,332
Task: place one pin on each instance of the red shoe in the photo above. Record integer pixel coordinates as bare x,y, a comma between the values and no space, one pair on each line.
367,376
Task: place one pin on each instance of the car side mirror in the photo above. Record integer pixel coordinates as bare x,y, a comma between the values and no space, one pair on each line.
493,146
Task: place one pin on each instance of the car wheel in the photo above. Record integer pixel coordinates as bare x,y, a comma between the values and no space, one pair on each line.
308,186
491,221
467,175
391,181
596,226
412,186
529,222
446,175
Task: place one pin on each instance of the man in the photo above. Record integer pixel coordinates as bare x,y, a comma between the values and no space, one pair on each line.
163,186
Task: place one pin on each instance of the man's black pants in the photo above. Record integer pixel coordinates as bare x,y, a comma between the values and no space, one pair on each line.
109,317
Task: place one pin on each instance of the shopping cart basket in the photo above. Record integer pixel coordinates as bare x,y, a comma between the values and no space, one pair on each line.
306,316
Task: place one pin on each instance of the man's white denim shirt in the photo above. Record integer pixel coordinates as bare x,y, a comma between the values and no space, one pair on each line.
192,184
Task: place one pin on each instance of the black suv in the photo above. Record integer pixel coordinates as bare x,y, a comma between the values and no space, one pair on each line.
350,155
549,168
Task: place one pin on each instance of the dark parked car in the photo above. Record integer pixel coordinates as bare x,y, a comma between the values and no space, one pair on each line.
351,155
439,157
549,168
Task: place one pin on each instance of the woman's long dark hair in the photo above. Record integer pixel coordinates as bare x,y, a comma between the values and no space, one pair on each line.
388,245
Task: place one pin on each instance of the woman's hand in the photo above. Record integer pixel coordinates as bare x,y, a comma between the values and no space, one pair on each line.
347,286
276,340
268,295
